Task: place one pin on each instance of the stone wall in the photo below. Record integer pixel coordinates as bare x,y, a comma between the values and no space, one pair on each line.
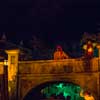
60,66
34,73
83,80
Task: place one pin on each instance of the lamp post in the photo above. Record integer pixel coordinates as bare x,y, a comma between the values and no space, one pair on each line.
6,80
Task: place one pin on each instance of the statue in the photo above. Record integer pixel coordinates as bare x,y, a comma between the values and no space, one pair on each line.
60,54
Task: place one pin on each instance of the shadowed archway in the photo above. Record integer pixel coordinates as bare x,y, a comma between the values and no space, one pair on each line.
57,89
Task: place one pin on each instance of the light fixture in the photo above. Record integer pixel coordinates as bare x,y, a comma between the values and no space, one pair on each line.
5,62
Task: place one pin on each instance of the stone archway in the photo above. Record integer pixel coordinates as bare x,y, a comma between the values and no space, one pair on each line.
57,89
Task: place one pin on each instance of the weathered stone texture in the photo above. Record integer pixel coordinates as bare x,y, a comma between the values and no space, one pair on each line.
34,73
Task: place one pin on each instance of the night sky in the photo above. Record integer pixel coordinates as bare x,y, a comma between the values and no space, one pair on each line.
63,20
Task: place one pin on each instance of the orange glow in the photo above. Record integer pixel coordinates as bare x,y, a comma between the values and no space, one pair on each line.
13,51
1,69
11,73
59,53
90,50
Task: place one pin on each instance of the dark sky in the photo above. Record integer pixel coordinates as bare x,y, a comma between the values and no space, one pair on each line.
51,19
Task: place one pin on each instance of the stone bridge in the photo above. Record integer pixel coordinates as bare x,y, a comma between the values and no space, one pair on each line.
34,73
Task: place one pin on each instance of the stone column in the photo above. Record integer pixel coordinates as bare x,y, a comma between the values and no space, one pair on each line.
12,72
98,46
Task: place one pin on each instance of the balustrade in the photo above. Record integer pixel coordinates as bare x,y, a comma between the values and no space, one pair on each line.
59,66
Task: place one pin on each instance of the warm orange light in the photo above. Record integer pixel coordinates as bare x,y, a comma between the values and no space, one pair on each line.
90,50
11,73
12,51
5,62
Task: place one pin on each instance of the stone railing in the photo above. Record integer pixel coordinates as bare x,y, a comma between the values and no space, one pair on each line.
59,66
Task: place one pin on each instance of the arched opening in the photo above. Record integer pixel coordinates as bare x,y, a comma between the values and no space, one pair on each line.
57,90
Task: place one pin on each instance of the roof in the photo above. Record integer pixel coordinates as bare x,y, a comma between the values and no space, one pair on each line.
6,45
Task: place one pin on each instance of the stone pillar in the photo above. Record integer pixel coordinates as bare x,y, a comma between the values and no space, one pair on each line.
98,46
12,72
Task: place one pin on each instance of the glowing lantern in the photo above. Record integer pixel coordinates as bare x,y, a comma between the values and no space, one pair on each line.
94,44
84,47
5,62
90,50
